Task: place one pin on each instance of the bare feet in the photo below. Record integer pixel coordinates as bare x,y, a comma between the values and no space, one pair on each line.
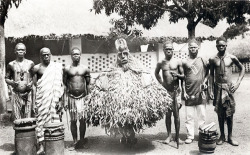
72,146
168,140
180,141
41,150
233,142
123,140
81,144
221,140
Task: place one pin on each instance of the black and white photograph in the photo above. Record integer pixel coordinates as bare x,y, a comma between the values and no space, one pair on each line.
124,77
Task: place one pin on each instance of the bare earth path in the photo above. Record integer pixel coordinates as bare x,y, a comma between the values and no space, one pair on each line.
148,140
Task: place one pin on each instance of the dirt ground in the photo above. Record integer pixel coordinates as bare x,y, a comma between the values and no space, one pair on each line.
148,140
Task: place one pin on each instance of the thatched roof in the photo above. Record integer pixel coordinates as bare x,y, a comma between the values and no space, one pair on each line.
42,17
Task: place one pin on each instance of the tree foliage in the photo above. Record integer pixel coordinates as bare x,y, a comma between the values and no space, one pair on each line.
148,12
235,30
5,5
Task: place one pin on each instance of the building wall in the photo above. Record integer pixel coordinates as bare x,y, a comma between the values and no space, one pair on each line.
75,42
100,62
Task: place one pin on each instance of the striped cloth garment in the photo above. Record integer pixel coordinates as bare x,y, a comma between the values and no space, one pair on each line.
49,91
21,105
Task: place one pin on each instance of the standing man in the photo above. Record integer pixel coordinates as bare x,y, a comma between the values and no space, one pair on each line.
196,73
18,75
221,79
48,77
172,72
77,80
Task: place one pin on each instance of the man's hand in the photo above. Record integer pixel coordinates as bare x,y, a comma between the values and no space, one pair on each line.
204,86
211,94
234,87
186,96
29,86
174,74
14,84
66,107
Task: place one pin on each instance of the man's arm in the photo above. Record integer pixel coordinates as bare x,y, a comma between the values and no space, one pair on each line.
157,71
34,71
207,67
235,86
34,77
179,74
87,78
180,70
65,97
9,76
211,79
185,95
31,72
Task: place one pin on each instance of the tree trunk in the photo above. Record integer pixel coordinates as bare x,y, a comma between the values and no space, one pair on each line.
2,71
191,29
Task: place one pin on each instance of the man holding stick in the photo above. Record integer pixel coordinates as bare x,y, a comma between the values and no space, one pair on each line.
172,72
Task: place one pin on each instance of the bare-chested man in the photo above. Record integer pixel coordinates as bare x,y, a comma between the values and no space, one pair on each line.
48,78
172,71
221,79
18,75
76,79
196,74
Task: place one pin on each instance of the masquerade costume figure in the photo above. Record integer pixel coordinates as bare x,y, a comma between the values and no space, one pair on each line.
126,98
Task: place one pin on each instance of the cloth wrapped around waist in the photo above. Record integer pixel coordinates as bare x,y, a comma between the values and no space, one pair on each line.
223,99
76,106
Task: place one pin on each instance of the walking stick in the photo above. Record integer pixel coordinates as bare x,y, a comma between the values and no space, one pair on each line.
177,122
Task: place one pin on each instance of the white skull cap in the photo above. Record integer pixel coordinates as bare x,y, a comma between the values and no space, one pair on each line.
121,45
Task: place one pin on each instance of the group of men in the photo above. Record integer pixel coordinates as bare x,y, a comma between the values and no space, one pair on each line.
52,87
198,87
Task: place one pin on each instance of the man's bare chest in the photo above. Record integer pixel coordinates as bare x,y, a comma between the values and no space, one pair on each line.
167,66
227,61
76,71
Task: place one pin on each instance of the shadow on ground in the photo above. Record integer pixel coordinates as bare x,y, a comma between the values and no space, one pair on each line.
7,147
111,145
